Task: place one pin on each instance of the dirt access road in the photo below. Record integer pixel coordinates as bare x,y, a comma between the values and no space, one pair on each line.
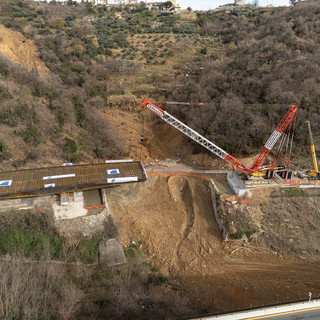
173,218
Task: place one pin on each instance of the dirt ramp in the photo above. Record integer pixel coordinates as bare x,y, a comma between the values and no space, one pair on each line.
173,218
180,191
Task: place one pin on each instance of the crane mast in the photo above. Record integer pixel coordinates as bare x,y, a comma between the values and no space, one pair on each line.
165,116
277,133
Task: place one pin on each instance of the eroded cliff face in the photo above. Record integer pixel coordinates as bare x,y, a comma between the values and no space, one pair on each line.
19,49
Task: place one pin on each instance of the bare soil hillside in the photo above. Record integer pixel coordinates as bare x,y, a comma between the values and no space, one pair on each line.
161,140
173,218
19,49
287,223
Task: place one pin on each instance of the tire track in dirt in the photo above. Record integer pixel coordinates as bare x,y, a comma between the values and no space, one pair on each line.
180,191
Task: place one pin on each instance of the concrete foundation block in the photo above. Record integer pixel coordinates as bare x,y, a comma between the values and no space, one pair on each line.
111,253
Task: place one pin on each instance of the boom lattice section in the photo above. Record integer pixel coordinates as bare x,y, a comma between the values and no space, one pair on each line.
165,116
194,135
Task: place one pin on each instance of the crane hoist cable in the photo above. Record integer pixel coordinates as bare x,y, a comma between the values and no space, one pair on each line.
280,129
292,136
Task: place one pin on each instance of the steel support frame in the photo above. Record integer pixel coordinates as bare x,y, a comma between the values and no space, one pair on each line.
194,135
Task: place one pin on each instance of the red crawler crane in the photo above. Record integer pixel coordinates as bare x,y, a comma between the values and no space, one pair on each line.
283,127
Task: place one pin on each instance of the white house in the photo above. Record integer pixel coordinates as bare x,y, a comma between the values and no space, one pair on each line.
101,2
64,1
116,2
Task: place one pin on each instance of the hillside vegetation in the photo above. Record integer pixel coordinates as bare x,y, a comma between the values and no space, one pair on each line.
271,58
247,65
97,64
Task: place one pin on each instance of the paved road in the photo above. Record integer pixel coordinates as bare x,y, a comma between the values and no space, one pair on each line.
295,315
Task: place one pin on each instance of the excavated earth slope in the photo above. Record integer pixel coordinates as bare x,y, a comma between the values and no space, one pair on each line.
173,218
17,48
287,223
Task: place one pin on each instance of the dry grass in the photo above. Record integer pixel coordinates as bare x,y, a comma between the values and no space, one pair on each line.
34,291
135,291
186,15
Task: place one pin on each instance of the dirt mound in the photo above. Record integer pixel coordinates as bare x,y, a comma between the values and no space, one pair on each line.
173,218
21,50
163,214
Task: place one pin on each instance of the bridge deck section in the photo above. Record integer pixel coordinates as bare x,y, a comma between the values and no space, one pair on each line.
33,182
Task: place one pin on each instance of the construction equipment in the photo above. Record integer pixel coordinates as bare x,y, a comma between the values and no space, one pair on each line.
256,168
313,174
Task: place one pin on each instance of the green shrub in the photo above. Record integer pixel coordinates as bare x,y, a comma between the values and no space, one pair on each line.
294,191
4,93
88,250
204,50
121,40
81,116
157,279
30,244
132,249
33,135
70,145
3,150
237,235
31,236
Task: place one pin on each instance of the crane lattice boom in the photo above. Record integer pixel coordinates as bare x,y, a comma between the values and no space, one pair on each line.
195,136
256,167
286,120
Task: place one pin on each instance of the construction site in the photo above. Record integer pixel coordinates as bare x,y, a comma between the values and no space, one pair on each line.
222,232
232,236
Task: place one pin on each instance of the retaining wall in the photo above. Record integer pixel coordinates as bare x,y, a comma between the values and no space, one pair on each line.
236,184
214,195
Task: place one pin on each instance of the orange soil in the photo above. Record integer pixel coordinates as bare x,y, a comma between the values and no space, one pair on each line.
17,48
